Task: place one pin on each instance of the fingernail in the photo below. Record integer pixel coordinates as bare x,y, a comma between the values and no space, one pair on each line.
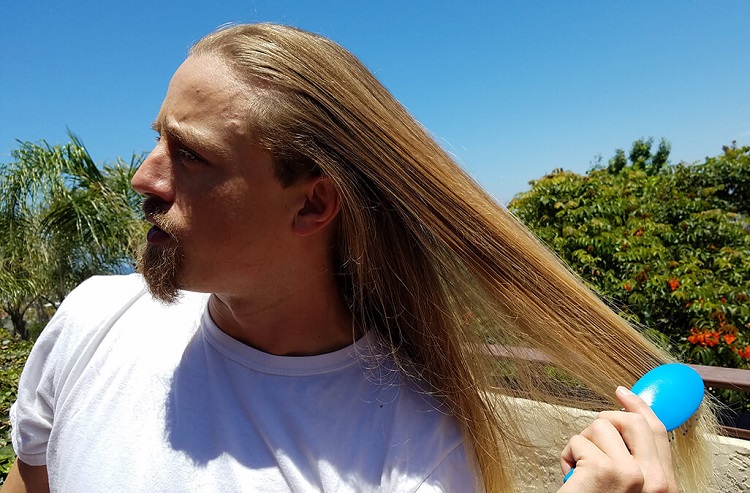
623,391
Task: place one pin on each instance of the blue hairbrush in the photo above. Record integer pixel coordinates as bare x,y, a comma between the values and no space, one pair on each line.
673,391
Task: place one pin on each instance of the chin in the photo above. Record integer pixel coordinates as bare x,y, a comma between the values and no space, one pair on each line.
161,268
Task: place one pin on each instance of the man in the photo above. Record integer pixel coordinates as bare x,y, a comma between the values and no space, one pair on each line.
320,279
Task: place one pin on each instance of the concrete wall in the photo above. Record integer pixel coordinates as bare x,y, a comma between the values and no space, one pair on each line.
731,456
732,465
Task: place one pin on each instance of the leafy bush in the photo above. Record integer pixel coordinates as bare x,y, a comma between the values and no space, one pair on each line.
668,245
13,354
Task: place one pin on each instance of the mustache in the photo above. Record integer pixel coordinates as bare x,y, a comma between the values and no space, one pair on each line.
156,209
153,206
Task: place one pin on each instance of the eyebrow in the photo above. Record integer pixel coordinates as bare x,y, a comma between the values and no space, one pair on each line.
187,136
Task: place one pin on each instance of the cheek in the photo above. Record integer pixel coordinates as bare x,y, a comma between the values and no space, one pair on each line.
233,216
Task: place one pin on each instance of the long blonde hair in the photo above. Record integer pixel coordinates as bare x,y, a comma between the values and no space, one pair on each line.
430,260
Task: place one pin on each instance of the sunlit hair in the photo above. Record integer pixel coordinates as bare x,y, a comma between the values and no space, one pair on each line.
431,261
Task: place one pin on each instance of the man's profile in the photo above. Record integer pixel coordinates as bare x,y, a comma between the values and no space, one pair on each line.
314,299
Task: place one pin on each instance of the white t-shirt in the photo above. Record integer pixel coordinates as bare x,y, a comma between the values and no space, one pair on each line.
122,393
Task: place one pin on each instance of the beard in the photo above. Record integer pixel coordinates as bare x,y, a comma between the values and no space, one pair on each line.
161,265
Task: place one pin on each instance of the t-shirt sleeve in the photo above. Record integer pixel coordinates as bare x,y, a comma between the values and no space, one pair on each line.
32,415
454,473
60,351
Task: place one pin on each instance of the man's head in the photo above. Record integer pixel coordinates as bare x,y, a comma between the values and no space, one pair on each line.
223,220
318,115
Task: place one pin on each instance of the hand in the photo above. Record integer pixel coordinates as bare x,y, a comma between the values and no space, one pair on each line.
621,451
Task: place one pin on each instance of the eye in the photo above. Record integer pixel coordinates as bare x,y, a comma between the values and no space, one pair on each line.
188,155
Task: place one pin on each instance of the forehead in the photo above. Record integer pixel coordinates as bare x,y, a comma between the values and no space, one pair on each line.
205,98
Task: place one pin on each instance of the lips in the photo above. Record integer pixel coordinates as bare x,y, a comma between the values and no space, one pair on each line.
154,210
156,235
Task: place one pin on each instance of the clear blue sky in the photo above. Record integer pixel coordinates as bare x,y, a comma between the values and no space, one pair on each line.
513,89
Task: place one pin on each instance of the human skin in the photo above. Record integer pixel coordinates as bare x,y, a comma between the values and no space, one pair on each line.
624,451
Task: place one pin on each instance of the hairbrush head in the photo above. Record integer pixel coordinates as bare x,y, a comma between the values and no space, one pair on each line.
674,392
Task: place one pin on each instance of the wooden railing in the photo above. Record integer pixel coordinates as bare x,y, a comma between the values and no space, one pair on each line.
730,379
714,377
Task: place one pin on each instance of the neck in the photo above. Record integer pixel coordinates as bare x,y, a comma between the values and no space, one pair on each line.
306,319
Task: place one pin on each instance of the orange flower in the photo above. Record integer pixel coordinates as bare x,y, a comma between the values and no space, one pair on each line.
698,338
627,288
704,338
674,283
744,353
713,339
729,338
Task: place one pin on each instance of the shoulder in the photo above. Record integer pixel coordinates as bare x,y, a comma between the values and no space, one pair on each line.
106,288
86,319
95,299
101,294
87,308
100,301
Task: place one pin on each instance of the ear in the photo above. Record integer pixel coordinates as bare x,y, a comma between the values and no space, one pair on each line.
322,205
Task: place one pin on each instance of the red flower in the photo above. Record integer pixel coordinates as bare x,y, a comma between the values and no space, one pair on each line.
723,300
627,288
674,283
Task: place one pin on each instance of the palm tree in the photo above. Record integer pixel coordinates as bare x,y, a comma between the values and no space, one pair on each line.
62,219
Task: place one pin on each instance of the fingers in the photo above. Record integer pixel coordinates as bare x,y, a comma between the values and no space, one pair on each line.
634,404
602,462
637,437
621,451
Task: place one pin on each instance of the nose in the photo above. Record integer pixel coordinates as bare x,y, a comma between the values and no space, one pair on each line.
154,176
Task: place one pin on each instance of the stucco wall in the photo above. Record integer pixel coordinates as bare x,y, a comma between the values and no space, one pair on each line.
731,456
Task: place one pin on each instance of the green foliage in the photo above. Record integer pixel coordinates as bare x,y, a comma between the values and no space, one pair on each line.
668,245
63,219
13,354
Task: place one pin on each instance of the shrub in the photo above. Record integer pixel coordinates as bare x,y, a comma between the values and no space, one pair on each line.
13,354
667,245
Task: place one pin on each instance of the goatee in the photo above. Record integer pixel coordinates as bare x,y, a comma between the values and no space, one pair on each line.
160,267
161,264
